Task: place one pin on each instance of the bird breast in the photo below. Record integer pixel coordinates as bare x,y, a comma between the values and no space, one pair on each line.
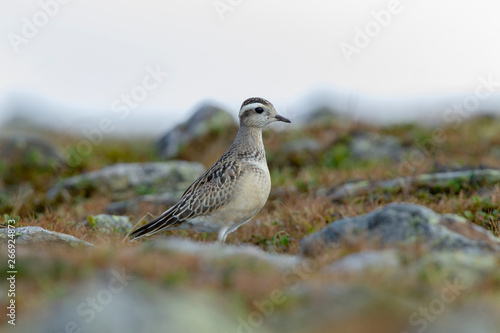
256,185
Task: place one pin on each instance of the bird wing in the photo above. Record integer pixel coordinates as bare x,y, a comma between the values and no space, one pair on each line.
214,189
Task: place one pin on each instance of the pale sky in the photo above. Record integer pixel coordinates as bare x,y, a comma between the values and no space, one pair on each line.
92,51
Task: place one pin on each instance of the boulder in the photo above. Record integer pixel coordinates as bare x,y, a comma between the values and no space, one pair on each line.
402,225
126,180
207,119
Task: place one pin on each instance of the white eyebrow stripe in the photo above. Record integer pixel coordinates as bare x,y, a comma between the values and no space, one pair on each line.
251,106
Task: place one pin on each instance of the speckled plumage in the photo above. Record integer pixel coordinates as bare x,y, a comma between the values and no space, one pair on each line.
234,189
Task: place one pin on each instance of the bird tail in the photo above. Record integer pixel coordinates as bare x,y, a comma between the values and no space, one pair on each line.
163,221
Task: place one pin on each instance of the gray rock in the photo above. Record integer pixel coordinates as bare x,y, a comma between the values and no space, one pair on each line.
36,236
126,180
369,146
445,181
406,225
205,120
214,251
109,223
303,145
150,202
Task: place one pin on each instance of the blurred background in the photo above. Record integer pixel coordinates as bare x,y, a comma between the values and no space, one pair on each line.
110,109
372,60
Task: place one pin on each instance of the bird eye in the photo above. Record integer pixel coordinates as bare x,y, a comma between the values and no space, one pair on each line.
259,110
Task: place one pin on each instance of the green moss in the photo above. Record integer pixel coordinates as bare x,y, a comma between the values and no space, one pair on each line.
337,156
177,277
92,221
484,212
143,189
7,217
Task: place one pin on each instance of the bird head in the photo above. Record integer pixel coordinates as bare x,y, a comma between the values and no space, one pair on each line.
258,112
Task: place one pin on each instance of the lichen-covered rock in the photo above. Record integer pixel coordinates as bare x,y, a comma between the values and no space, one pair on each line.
127,180
402,225
109,223
39,237
205,120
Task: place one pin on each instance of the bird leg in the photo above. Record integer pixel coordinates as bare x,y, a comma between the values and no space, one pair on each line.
222,235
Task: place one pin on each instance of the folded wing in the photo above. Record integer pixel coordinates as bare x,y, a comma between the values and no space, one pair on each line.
214,189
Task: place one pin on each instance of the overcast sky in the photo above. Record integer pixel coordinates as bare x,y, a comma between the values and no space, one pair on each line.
92,51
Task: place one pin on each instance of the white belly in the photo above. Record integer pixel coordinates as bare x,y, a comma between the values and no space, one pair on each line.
252,195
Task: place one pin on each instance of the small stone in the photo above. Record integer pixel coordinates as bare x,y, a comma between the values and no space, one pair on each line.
39,237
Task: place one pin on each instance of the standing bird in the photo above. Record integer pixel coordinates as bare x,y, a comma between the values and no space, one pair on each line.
233,190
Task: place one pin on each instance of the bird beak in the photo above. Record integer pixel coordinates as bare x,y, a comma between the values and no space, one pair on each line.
283,119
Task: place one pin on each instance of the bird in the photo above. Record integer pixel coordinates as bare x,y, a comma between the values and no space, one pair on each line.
233,190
